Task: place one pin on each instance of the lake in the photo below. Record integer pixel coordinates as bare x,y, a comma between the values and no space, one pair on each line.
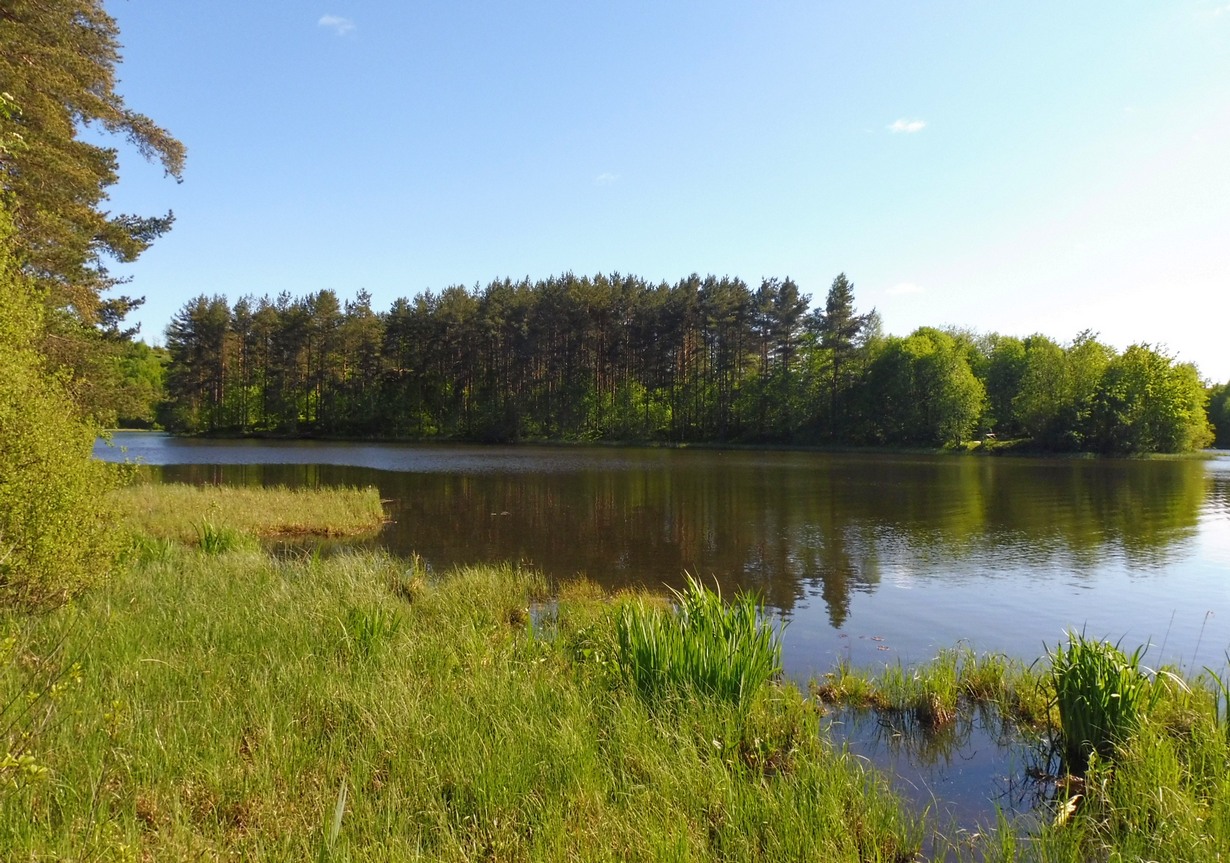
870,557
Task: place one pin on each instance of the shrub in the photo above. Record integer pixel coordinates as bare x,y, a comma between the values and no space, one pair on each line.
56,535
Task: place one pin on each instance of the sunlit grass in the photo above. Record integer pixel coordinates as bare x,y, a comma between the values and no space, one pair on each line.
343,707
187,513
1102,696
703,646
234,705
933,692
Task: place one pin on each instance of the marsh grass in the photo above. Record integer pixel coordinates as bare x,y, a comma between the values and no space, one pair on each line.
226,700
218,539
348,707
366,631
1221,698
1163,791
177,511
933,693
1102,695
702,647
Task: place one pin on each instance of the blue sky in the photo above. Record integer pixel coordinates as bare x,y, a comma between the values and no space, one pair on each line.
1027,167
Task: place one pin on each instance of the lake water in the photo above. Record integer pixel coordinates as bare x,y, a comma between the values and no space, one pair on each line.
870,557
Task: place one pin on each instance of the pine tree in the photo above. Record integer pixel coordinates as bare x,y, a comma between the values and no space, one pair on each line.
839,328
57,66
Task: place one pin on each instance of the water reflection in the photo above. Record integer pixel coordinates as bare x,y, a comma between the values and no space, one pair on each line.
978,765
924,550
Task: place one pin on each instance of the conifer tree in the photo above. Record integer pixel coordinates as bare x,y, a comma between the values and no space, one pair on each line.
58,62
839,328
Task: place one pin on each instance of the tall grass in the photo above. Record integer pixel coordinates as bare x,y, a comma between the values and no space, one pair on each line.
225,701
704,646
1221,699
1102,696
177,511
933,692
218,539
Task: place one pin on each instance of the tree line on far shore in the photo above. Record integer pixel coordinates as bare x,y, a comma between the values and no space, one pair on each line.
707,359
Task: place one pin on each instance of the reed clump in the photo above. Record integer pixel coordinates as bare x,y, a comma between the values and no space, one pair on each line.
932,693
1102,695
704,646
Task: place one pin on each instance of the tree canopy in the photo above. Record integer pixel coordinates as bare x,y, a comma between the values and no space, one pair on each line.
58,70
617,357
62,345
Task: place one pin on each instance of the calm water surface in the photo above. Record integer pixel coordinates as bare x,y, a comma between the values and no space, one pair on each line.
868,557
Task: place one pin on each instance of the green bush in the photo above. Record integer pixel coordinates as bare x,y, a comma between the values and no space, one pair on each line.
56,533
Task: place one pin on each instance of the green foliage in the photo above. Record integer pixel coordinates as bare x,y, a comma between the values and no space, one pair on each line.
1102,696
1148,403
1058,388
1005,370
142,373
58,68
366,630
928,393
1219,415
703,647
56,535
616,358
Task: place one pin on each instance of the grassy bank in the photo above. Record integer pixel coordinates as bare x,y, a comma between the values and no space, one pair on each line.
1143,756
217,702
230,705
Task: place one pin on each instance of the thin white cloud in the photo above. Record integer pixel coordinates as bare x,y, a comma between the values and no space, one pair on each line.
909,127
903,288
339,25
606,178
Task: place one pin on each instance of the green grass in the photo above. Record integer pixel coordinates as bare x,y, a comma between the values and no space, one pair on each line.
237,705
185,513
1157,787
933,692
702,647
1102,696
241,706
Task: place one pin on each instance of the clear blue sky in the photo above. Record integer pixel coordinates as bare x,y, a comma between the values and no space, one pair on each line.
1013,167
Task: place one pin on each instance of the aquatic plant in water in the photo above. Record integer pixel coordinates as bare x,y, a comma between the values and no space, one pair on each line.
1102,696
